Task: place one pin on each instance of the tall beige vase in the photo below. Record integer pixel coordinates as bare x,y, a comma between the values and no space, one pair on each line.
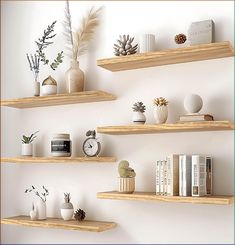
74,78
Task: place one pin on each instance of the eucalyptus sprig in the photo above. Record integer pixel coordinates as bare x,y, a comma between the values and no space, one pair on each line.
41,195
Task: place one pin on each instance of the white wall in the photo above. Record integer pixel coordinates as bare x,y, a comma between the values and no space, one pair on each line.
138,222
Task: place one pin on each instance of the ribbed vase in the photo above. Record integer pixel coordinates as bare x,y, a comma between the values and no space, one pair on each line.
160,114
126,185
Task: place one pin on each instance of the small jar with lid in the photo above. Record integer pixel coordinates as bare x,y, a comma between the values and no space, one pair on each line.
61,145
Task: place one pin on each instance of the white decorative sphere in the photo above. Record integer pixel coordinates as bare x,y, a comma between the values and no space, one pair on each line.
193,103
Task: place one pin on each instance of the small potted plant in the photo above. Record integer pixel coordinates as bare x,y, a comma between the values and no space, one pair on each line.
126,177
67,208
160,110
138,116
27,146
41,202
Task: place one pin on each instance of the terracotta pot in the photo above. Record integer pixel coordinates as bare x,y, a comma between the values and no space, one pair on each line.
74,78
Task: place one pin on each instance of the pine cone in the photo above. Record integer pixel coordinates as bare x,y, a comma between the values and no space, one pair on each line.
79,215
124,46
180,38
139,106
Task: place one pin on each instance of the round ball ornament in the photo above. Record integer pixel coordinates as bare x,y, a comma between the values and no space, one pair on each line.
193,103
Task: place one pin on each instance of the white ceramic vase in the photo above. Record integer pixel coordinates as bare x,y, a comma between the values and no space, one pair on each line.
41,209
138,117
160,114
66,214
49,86
126,185
27,149
147,43
74,78
36,88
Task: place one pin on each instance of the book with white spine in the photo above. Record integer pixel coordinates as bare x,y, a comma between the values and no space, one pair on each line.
185,172
158,178
209,176
161,178
164,178
173,175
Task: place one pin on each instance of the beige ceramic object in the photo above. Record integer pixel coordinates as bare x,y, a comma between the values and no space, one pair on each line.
49,86
126,185
74,78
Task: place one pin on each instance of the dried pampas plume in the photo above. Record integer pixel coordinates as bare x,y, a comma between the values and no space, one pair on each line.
78,41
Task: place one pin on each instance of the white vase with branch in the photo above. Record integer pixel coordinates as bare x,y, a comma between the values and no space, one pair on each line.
77,45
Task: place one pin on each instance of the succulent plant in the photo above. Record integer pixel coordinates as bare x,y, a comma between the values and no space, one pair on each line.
139,106
160,101
29,139
67,204
125,171
124,46
180,38
79,215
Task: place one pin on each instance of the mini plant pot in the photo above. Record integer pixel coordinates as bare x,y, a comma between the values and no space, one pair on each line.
126,185
66,214
41,209
138,117
27,149
160,114
49,86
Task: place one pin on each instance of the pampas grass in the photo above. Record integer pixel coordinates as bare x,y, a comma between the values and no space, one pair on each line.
78,41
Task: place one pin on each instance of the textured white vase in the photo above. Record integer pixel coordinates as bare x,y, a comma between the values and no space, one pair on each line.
147,43
66,214
193,103
27,149
160,114
41,209
138,117
49,86
126,185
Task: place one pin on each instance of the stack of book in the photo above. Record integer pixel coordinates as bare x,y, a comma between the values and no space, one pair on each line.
184,175
196,117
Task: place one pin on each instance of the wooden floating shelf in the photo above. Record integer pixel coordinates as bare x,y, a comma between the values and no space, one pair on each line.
59,99
86,225
66,160
150,196
167,128
167,57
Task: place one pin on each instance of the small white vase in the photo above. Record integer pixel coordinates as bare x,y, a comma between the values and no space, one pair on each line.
138,117
27,149
147,43
36,88
66,214
126,185
160,114
49,86
33,213
41,209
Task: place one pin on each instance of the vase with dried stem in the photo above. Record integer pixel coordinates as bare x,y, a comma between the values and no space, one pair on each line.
77,45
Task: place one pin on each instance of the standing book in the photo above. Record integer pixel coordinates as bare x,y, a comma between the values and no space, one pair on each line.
158,178
185,172
173,175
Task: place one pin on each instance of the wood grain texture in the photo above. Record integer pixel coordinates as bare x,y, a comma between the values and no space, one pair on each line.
66,160
86,225
170,56
151,196
59,99
167,128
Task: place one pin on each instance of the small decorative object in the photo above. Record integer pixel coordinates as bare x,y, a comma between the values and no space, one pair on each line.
127,177
193,103
138,116
160,110
49,86
180,38
124,46
67,207
40,56
27,146
147,43
78,43
34,67
41,203
61,145
201,32
33,213
79,215
91,146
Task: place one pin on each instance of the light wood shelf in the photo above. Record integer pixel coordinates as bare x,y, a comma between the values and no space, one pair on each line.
85,225
166,57
59,99
167,128
151,196
66,160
